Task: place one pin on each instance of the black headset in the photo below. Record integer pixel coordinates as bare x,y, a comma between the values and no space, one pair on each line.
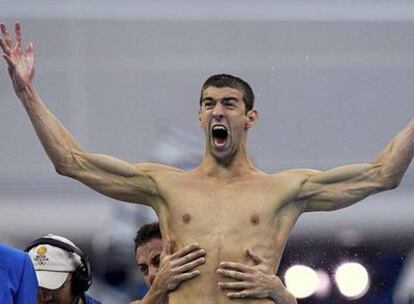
82,276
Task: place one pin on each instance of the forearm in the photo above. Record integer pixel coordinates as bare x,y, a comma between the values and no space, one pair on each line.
105,174
56,140
282,296
396,157
155,296
344,186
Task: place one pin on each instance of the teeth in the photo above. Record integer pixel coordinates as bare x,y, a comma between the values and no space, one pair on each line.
220,132
219,127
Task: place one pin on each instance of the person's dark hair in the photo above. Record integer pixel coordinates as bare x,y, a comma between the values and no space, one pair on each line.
147,232
230,81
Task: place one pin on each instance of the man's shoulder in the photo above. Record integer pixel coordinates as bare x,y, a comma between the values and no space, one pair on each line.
11,256
89,300
6,249
292,180
294,174
157,168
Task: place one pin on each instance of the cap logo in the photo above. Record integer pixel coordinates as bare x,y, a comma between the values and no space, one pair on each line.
41,258
41,250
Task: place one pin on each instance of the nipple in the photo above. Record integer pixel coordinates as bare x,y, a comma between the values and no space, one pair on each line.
186,218
255,219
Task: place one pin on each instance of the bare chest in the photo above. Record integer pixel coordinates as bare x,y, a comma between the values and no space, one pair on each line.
195,207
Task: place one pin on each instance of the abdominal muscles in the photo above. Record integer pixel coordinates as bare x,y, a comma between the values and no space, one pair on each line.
225,244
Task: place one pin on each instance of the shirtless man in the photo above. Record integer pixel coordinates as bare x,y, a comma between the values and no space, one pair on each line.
225,204
180,266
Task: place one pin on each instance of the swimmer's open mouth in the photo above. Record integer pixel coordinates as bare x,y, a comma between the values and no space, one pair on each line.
220,132
220,135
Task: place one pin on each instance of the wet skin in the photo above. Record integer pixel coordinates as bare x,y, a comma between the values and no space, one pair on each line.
225,204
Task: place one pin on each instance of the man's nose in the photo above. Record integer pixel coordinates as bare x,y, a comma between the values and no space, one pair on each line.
218,111
44,295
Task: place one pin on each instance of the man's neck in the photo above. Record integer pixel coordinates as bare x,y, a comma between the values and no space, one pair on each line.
236,165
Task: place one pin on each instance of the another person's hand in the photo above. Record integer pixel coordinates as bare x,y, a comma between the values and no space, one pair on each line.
20,65
179,266
256,281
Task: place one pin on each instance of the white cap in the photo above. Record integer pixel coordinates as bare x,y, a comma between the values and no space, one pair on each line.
53,264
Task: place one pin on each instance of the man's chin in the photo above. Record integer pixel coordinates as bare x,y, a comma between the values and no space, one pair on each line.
222,153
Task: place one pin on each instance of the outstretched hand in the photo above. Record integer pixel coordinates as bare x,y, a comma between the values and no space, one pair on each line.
256,281
20,66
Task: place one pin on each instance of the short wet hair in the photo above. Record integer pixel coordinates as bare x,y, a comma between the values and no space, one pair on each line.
230,81
146,233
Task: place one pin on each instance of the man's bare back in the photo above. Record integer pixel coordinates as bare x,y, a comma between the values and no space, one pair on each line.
225,204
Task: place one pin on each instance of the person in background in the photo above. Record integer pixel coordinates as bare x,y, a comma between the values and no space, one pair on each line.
62,270
226,204
18,283
179,267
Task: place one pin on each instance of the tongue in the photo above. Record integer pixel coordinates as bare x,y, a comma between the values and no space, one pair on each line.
219,142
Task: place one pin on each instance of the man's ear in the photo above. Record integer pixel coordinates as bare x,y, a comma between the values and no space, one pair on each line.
199,118
252,117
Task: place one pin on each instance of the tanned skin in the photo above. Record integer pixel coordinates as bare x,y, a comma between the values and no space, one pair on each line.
180,266
225,204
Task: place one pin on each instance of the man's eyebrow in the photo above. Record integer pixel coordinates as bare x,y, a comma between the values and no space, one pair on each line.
230,98
227,98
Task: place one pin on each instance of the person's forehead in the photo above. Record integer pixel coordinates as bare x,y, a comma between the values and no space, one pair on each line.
149,249
218,93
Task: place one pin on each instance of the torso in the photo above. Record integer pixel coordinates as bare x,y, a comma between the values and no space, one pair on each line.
254,211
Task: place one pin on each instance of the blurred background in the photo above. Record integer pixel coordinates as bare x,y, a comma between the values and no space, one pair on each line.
333,82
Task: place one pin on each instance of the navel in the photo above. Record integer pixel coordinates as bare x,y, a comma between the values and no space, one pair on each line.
255,219
186,218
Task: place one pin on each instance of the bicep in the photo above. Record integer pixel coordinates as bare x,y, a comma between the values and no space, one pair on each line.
340,187
115,178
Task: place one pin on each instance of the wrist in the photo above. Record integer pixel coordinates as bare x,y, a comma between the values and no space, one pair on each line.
28,96
155,295
160,288
278,290
21,90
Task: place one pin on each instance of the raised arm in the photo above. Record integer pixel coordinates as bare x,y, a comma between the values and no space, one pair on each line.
344,186
110,176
